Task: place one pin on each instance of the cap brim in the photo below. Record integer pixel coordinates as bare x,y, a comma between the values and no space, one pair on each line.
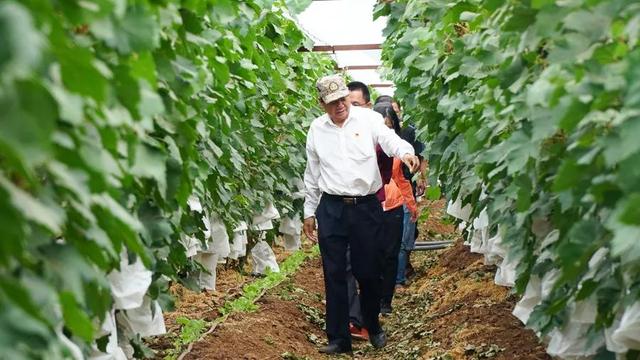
335,96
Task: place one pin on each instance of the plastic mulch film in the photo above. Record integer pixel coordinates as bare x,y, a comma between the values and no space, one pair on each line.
263,258
130,283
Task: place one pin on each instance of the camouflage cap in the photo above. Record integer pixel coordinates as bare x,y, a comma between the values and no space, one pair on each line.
332,88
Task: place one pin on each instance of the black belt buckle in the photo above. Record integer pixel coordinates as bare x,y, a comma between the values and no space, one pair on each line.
350,200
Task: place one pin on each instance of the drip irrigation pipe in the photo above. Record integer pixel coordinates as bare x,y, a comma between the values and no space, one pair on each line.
428,243
431,247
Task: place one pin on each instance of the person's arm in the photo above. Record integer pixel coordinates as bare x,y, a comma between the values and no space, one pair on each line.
385,164
393,145
312,190
405,189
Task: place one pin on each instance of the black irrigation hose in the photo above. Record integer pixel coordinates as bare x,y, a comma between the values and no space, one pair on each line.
431,247
429,243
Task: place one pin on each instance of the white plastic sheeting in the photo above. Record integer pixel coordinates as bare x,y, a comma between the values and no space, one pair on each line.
208,260
571,342
192,244
73,348
113,351
531,298
146,320
263,258
264,221
134,315
506,272
627,334
455,209
219,238
239,242
130,283
291,229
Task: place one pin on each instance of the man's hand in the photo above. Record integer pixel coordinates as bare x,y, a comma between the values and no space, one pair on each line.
411,161
309,229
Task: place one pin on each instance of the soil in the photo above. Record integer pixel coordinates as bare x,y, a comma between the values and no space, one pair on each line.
450,310
289,321
205,304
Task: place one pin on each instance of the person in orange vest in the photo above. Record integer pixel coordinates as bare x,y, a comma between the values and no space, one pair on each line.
398,193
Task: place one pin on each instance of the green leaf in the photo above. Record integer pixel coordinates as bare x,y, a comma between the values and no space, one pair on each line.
14,291
22,44
624,143
537,4
592,24
569,175
117,211
79,73
631,210
27,122
434,193
143,66
574,252
297,6
573,115
48,215
150,163
75,318
136,31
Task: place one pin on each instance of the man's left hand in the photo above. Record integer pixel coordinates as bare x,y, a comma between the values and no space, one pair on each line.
411,161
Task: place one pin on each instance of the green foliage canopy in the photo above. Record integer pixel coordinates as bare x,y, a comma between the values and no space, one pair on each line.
536,105
113,113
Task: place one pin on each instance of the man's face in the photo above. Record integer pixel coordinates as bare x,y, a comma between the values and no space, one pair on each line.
337,110
356,98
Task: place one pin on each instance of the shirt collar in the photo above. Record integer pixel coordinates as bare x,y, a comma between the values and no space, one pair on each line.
327,120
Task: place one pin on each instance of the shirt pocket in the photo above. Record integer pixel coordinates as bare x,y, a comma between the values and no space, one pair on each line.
360,147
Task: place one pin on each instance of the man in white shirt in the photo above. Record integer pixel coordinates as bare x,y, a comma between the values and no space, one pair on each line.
341,180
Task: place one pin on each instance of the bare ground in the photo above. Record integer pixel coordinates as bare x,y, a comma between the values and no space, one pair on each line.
451,310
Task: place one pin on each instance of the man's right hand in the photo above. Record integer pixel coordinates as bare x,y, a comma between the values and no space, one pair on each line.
309,229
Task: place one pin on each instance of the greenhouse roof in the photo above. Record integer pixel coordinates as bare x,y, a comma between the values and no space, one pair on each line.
348,22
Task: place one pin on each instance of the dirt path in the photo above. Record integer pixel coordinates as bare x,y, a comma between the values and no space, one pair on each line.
451,310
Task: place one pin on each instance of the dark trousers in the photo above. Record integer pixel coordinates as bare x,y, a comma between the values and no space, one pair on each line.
357,228
355,313
391,248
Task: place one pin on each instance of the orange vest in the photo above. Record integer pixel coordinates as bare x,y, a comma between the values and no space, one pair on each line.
398,191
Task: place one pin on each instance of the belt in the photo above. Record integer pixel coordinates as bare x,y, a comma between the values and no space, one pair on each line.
351,200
